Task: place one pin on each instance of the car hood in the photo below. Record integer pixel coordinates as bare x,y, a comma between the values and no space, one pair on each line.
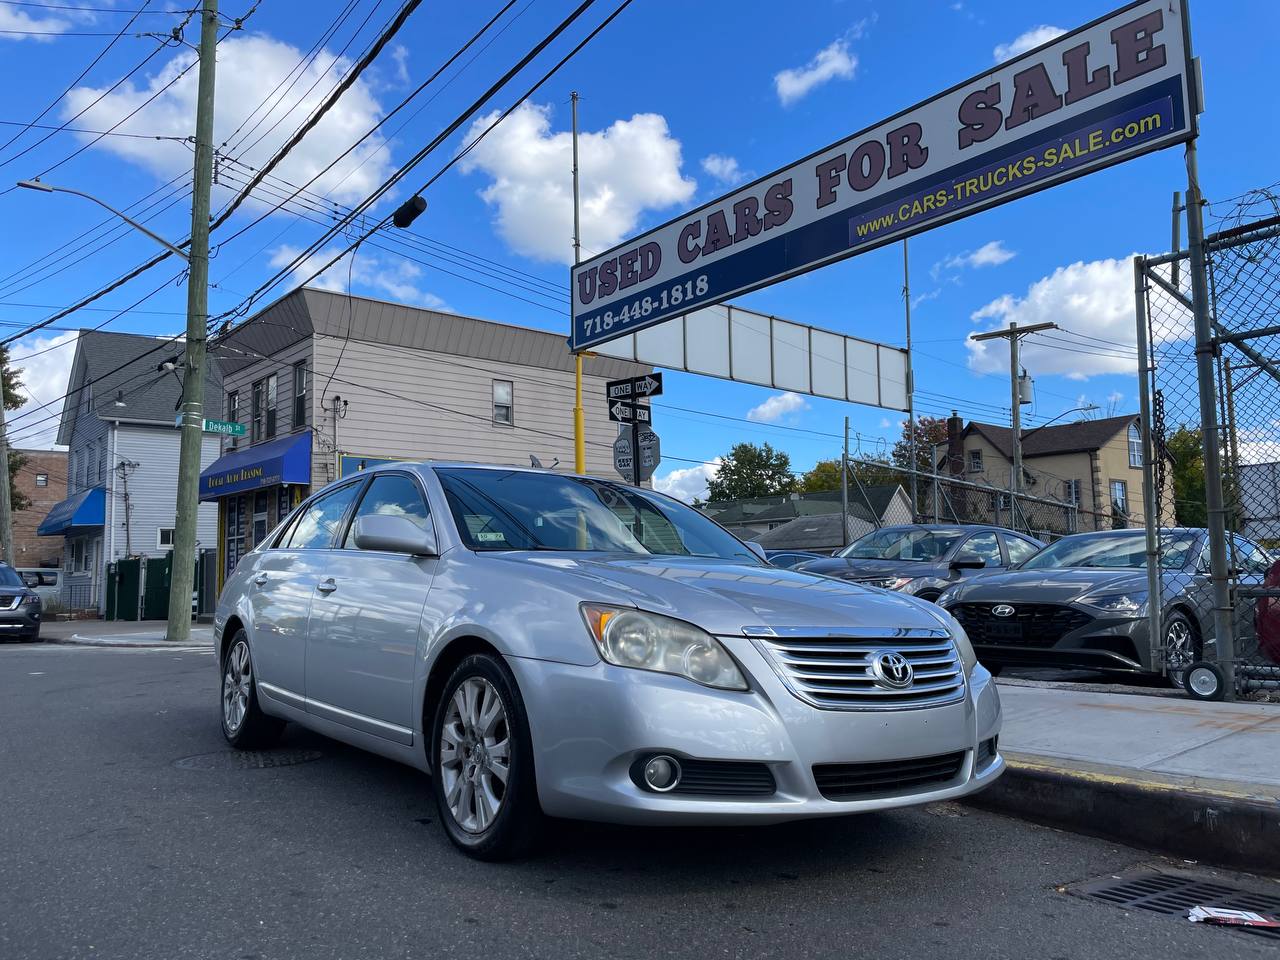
723,597
851,569
1047,586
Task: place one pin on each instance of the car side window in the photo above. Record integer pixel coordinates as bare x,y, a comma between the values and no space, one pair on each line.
392,495
1019,549
321,519
1250,557
982,546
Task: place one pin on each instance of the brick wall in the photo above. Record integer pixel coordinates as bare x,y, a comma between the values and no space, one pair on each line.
30,550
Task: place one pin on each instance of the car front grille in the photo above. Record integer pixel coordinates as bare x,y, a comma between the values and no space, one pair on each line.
1042,624
834,671
854,781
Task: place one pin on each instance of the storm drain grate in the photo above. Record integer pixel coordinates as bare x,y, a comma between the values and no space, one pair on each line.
1174,894
247,759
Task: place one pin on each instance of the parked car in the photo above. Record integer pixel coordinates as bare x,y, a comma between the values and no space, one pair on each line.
549,644
790,559
1082,602
20,606
925,559
44,581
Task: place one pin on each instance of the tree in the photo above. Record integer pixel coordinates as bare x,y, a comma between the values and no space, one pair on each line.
929,431
825,475
11,379
749,471
1185,450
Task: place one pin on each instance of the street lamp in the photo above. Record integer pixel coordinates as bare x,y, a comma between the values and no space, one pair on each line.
50,188
1087,408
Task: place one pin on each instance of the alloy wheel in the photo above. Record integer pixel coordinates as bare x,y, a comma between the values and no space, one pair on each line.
1179,649
237,680
475,754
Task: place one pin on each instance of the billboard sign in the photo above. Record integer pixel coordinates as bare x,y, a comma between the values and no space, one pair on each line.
1112,90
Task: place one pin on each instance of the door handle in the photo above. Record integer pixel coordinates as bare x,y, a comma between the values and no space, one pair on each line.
327,585
260,579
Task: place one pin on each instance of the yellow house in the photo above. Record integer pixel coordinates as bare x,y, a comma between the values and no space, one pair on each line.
1094,464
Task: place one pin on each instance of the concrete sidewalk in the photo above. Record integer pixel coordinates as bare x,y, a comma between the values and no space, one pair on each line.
120,633
1196,780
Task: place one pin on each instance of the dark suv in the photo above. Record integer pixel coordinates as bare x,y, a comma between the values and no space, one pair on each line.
20,606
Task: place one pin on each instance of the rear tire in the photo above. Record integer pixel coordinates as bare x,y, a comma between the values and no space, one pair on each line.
1182,648
244,724
482,763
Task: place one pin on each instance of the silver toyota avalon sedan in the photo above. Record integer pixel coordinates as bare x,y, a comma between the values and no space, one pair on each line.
552,645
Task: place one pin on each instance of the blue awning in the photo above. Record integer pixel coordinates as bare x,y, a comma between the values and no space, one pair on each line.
88,508
283,460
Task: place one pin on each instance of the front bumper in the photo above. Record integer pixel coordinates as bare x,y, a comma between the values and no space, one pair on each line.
589,725
1111,644
21,622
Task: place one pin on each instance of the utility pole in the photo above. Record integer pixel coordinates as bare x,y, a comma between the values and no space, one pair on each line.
1014,334
579,426
188,502
911,387
6,508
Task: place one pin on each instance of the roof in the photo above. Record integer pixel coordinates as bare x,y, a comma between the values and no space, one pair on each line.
107,363
1083,437
313,312
806,533
789,507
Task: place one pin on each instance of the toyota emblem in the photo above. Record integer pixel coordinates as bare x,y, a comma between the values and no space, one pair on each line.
1002,610
891,670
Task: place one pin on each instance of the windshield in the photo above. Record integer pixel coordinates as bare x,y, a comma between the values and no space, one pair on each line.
1118,550
9,577
902,545
517,510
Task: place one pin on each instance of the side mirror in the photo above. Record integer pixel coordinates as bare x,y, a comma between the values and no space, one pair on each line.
392,534
967,563
758,551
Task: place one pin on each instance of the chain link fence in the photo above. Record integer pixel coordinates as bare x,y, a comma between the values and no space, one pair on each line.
1243,422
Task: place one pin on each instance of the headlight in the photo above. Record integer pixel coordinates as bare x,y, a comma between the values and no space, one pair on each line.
627,637
889,583
32,598
1133,602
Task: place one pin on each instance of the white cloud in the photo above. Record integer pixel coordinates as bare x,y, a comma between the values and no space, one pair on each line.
392,277
723,168
920,298
1093,299
687,483
17,20
832,62
627,169
249,68
1026,41
44,381
991,254
777,407
400,54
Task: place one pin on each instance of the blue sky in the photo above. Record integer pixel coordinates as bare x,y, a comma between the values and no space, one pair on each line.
680,103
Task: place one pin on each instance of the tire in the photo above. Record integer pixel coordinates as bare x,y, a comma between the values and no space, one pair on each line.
244,724
1182,648
469,739
1205,681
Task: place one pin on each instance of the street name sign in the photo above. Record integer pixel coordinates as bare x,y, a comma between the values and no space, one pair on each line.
226,428
1112,90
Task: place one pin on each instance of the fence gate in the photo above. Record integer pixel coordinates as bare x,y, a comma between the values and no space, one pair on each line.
1243,264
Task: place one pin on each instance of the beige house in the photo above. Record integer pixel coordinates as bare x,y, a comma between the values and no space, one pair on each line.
1094,464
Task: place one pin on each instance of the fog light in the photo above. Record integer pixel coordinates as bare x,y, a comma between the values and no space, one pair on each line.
661,774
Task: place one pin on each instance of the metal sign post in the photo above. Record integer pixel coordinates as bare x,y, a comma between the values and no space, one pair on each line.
638,450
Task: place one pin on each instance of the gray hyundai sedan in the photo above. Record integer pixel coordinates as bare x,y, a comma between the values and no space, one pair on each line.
553,645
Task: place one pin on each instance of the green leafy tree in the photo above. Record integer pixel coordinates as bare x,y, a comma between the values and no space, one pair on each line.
1187,454
11,379
929,431
751,470
825,475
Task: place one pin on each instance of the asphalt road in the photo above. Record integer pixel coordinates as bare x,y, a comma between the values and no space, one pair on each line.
107,849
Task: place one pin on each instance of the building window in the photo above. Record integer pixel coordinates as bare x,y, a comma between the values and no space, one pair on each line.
1071,491
1135,446
264,409
1120,496
503,402
164,538
42,479
233,409
299,394
975,461
91,463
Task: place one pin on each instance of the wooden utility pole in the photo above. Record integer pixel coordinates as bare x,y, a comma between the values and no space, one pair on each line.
188,500
6,508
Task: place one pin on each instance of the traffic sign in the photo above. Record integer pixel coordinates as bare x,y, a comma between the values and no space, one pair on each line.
649,450
623,461
634,388
224,428
624,412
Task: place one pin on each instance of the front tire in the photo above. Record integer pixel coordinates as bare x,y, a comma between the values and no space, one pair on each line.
244,724
482,763
1182,648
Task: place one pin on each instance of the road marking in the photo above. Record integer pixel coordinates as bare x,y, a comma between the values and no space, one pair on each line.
36,673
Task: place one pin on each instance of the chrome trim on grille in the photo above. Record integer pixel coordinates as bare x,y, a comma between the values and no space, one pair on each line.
831,669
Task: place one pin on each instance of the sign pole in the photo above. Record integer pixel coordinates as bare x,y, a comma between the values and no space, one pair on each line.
579,426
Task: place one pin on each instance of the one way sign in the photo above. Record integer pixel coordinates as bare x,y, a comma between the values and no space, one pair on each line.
624,412
635,388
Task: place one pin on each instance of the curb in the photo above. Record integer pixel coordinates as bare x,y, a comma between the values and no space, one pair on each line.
1212,821
77,641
